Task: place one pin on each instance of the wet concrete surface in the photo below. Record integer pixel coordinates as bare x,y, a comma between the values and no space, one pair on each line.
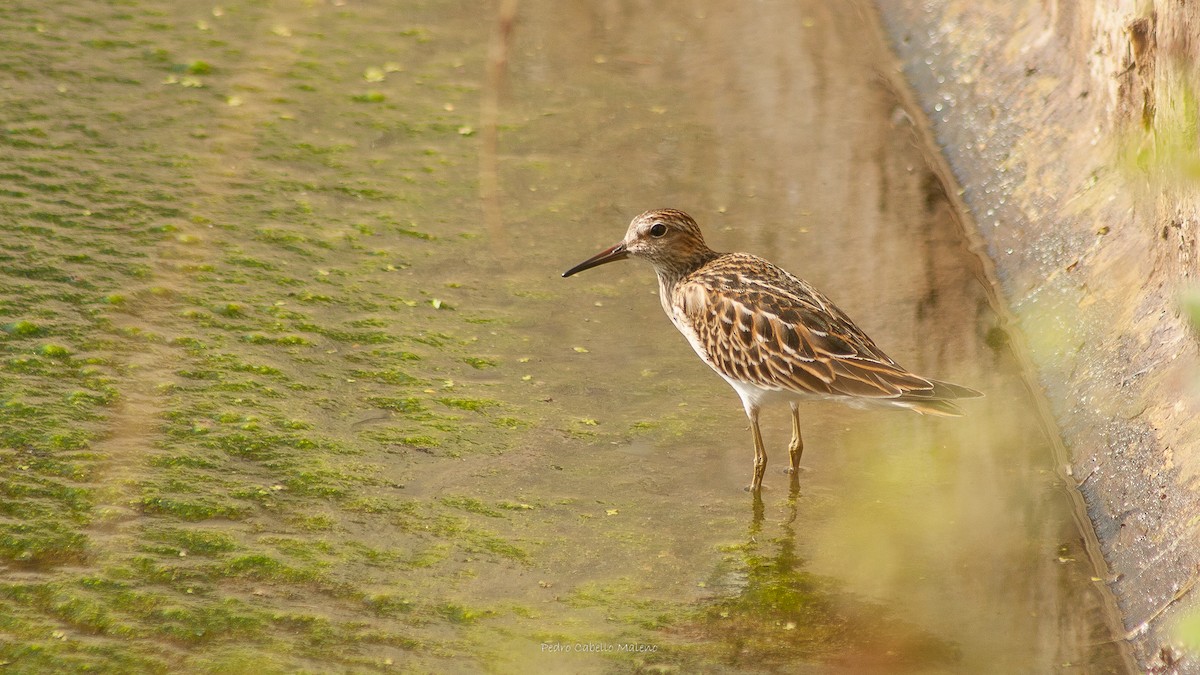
282,392
1070,128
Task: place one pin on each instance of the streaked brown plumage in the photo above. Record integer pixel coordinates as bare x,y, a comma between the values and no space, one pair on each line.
771,335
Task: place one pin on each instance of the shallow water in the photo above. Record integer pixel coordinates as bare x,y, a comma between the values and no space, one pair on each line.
282,392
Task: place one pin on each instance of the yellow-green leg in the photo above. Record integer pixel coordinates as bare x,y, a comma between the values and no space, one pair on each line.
796,447
760,452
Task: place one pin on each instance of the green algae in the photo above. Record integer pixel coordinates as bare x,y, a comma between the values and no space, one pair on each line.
193,542
42,542
471,505
480,363
241,431
471,404
189,510
23,328
408,405
222,444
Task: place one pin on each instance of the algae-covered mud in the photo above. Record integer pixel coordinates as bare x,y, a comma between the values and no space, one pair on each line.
279,392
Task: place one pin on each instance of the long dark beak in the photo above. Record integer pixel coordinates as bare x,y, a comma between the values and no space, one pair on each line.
608,255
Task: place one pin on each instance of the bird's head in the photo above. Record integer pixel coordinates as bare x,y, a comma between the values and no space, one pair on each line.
666,238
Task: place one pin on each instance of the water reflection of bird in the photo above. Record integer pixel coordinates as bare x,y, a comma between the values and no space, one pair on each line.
769,334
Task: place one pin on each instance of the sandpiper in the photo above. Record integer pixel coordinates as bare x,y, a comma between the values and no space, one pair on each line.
769,334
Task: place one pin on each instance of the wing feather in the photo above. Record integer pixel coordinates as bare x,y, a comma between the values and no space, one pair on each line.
773,330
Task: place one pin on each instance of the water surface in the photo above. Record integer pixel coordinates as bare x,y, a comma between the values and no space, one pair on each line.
281,392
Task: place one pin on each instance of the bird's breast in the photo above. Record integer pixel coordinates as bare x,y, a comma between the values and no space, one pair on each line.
677,310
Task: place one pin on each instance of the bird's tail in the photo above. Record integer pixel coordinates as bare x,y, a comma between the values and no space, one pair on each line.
949,390
931,406
936,401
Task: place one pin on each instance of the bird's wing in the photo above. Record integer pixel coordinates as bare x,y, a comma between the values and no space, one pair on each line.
778,332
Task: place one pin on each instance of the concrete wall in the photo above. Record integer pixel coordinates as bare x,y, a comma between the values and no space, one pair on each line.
1071,126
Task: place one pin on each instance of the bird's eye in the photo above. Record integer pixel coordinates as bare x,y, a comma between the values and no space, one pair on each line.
658,230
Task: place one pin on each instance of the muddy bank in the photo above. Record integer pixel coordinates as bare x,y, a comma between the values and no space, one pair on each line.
1071,127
